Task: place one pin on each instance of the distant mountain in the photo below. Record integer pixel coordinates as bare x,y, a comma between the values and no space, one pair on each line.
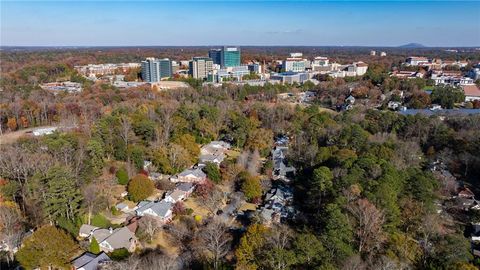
412,45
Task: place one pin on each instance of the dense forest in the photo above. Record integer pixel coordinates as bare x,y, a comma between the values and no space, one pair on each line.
364,189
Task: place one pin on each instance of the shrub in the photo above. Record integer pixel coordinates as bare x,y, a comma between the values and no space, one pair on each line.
119,254
198,218
112,170
122,176
68,225
179,208
212,172
94,246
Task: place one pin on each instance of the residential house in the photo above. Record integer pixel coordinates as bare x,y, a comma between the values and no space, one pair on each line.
476,252
89,261
181,192
123,207
161,210
466,199
350,100
110,239
280,169
394,105
86,230
417,61
472,92
466,193
44,131
476,232
175,196
269,216
278,205
194,175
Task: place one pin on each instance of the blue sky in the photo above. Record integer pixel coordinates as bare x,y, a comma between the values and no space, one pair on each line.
190,23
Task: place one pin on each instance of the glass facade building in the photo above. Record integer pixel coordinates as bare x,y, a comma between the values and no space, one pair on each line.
226,57
216,56
153,70
230,56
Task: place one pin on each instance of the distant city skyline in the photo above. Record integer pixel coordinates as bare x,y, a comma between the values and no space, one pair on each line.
264,23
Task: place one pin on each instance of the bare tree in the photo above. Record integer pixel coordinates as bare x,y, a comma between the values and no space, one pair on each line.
90,199
215,240
242,160
148,226
19,164
354,263
125,130
166,112
213,202
11,229
369,225
254,163
159,261
181,233
280,236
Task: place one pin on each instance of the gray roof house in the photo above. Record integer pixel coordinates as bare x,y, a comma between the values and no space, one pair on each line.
175,196
213,158
109,239
280,169
213,152
161,210
89,261
195,175
187,187
86,230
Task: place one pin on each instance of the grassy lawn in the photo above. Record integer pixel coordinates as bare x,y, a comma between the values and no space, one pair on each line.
161,240
232,153
196,206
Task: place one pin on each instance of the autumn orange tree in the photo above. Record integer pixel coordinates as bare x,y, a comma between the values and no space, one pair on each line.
140,187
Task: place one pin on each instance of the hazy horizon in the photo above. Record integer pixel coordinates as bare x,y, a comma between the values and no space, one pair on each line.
264,23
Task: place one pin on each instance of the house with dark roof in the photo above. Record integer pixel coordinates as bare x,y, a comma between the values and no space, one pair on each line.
280,169
89,261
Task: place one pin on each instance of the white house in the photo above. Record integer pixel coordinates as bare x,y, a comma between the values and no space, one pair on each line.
175,196
44,131
417,61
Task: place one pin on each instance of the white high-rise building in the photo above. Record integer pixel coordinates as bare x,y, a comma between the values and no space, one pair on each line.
294,64
199,67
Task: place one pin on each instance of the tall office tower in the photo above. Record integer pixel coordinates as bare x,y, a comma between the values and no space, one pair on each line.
230,56
216,56
225,57
199,67
153,70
